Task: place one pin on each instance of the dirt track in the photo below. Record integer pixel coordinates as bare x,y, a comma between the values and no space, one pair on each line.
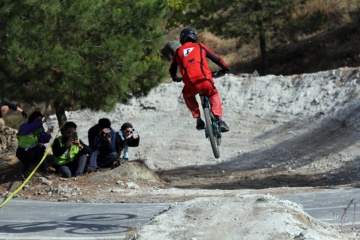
296,132
288,134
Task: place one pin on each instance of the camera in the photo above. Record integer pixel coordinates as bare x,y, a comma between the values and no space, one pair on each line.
108,135
74,136
50,124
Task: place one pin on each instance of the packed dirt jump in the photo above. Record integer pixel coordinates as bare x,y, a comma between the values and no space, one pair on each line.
287,134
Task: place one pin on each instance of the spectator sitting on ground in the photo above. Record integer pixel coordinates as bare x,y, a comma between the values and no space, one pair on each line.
5,106
126,137
102,142
70,153
31,139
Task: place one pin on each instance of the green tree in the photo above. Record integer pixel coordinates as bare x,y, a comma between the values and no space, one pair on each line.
82,54
249,20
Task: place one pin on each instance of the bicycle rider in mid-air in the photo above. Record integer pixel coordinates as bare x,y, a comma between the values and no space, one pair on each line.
196,75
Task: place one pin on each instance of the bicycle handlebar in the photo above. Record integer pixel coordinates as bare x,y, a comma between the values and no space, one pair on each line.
217,73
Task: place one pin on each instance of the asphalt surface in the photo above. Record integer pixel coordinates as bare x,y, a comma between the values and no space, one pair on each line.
334,206
29,219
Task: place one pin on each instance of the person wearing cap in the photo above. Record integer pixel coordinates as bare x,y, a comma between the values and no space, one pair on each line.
126,137
31,140
102,142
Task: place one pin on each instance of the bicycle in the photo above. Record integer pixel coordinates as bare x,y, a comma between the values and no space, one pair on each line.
211,126
212,130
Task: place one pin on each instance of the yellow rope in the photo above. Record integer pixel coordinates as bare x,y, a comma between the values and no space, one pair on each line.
47,151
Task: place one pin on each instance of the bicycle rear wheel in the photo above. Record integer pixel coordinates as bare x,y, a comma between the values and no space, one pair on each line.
210,131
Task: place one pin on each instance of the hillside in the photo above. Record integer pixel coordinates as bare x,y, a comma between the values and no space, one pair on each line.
294,130
293,133
325,51
329,49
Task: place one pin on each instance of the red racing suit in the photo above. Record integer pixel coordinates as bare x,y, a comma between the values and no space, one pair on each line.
196,75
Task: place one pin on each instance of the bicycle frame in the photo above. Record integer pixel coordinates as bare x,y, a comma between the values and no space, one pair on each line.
206,104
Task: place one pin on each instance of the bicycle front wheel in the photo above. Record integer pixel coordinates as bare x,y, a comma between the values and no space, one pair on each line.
212,137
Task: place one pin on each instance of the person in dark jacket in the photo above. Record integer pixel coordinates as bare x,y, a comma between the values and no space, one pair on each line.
70,153
31,139
102,142
196,76
5,106
126,137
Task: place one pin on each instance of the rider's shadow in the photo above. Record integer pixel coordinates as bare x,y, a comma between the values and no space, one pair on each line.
83,224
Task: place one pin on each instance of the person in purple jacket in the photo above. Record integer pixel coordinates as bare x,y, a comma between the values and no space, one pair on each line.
31,139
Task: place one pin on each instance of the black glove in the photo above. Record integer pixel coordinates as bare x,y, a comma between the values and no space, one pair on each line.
23,113
177,79
226,70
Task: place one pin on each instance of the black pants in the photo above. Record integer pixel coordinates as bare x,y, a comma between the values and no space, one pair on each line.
31,156
101,160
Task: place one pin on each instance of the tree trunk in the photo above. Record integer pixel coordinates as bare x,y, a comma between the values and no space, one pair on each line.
259,7
263,55
60,112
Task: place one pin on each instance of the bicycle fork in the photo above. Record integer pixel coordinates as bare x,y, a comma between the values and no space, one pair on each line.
205,104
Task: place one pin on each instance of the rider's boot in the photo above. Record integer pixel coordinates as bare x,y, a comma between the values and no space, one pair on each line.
222,125
200,125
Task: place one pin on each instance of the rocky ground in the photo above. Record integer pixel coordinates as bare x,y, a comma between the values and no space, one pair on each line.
288,134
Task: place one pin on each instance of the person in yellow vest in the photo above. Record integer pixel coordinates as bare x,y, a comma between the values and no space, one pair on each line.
70,153
31,139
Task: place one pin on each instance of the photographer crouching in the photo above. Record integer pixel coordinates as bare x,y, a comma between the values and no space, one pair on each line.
128,136
102,142
70,153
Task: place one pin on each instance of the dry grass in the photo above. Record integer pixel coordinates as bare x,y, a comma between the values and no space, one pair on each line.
345,7
334,46
345,224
